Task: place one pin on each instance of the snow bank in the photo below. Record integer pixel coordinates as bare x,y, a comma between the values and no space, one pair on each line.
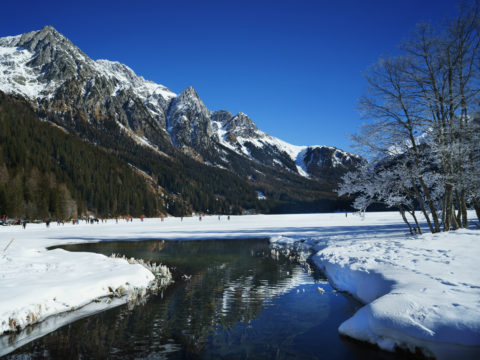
420,292
37,283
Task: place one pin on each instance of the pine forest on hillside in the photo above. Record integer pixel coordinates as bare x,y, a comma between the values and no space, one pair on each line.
47,173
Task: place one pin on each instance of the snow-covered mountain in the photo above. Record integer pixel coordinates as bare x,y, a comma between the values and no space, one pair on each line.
58,78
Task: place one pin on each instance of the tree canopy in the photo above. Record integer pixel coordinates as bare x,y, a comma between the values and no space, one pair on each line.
423,129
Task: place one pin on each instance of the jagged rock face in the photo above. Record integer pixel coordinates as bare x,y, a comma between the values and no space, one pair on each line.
240,125
221,116
232,127
60,79
65,81
189,122
55,56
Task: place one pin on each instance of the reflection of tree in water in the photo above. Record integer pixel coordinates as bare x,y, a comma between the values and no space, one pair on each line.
231,280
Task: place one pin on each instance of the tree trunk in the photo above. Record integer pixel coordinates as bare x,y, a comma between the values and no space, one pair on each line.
458,215
464,211
476,206
447,208
455,223
419,229
431,205
462,216
422,207
402,212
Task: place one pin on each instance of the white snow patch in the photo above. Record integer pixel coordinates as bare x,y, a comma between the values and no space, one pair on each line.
18,78
147,90
261,196
296,153
37,283
219,131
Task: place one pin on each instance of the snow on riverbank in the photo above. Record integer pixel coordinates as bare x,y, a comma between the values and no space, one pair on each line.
36,283
421,291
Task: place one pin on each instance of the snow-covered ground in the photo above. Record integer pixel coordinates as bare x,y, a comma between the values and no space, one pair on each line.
419,291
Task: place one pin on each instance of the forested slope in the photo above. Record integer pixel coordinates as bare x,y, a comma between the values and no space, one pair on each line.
48,173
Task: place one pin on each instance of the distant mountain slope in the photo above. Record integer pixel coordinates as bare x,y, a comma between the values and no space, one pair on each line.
47,173
124,178
105,103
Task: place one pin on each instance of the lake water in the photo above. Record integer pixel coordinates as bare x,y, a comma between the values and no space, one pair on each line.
240,302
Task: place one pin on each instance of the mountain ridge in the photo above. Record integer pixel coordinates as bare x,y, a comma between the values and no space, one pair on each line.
95,98
189,128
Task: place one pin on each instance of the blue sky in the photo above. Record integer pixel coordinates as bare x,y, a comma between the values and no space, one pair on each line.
294,66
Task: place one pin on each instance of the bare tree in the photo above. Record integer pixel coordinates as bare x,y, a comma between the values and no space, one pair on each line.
419,105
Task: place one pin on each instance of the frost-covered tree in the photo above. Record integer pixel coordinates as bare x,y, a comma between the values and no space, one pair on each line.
389,182
419,106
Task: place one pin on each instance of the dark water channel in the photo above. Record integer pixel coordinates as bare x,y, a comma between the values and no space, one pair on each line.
240,302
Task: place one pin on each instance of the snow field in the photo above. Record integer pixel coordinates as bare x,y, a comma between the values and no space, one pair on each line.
419,292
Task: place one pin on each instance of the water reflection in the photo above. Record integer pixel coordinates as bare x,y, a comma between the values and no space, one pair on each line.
239,302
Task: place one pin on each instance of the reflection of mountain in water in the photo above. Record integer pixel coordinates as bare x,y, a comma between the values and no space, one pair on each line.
248,290
234,283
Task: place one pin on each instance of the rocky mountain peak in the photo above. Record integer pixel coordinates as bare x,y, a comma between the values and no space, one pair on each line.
189,122
47,39
327,161
56,57
241,125
36,40
188,101
221,116
189,92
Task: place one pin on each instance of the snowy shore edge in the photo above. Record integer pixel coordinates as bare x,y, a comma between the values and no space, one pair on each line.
37,283
419,292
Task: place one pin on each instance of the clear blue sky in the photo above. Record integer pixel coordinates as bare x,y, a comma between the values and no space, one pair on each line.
294,66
